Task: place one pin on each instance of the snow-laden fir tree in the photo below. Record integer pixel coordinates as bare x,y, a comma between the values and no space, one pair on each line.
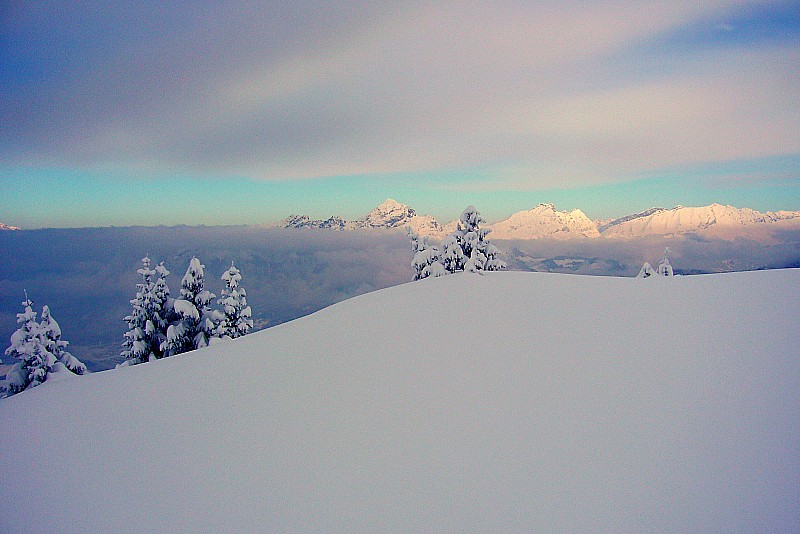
452,255
664,267
195,323
50,333
237,320
146,327
33,361
476,253
414,238
32,345
163,299
427,259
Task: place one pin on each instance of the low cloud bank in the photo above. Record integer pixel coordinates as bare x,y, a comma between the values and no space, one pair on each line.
88,276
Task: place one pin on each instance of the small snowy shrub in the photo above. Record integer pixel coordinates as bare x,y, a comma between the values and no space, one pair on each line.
664,268
646,271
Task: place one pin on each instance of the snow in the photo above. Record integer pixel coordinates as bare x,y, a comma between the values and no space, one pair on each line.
544,221
389,214
509,402
714,220
184,308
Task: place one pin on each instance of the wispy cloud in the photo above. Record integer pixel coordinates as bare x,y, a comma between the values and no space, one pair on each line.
563,94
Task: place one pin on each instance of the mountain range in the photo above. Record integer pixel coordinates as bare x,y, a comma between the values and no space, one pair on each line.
546,222
389,214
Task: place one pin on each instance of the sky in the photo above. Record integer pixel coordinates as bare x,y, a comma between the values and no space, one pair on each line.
140,113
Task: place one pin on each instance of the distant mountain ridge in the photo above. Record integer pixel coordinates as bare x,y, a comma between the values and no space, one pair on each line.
546,222
714,219
7,227
389,214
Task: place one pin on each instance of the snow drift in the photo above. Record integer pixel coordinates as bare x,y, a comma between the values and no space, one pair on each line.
504,402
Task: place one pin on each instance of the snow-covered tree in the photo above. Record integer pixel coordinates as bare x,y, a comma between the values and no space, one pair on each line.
50,333
452,255
476,253
26,346
39,352
163,299
195,323
237,319
491,252
414,238
646,271
146,326
664,267
427,260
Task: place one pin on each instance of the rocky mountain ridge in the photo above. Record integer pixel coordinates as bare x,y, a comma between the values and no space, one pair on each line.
546,222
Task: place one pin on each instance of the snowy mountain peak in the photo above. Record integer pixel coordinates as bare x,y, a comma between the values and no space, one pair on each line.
7,227
544,221
389,214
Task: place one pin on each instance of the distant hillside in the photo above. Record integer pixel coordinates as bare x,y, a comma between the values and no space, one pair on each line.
507,402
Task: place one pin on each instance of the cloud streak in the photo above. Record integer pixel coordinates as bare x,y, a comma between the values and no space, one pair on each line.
589,93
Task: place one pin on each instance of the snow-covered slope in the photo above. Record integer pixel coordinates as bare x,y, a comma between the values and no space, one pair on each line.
716,220
544,221
7,227
509,402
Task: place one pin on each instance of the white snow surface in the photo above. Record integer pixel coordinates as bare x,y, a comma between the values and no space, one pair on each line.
714,220
186,309
503,402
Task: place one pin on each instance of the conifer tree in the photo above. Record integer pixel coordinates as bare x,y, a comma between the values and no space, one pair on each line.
427,260
145,323
490,252
452,256
163,298
195,323
468,249
50,333
414,238
34,361
646,271
664,267
237,319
